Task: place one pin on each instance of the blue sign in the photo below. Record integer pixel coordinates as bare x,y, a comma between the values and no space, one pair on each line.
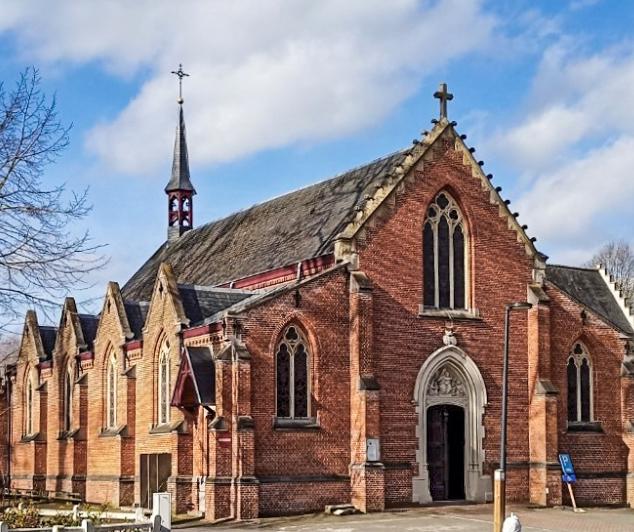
567,468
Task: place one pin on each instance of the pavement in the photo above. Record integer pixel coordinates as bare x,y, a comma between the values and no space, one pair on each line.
469,518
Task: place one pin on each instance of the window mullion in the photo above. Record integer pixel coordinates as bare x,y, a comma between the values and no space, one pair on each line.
291,376
578,390
451,266
436,269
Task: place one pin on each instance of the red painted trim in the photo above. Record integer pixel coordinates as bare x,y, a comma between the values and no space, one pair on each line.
202,329
86,355
283,273
132,345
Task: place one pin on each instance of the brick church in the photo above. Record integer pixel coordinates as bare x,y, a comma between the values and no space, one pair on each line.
339,344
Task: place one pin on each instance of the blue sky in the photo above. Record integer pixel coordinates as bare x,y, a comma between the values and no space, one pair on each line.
285,93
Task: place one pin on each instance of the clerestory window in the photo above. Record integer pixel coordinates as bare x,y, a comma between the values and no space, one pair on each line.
292,375
444,255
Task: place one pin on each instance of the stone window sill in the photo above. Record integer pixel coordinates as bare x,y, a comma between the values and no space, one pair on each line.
456,314
27,438
112,432
281,423
166,428
585,426
68,434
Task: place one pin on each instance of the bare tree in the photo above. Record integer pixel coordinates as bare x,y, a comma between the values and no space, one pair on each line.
618,259
42,255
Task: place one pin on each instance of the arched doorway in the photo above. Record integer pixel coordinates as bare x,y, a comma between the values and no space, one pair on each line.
445,452
450,397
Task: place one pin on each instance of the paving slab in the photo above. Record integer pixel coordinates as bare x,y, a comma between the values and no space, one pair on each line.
471,518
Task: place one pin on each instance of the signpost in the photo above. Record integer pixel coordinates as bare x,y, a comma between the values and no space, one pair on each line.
568,476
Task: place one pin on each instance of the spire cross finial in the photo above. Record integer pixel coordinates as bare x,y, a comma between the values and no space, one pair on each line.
444,96
180,75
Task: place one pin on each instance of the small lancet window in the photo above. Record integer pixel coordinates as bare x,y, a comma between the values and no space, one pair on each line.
579,376
164,386
444,255
111,392
292,375
186,204
28,414
68,398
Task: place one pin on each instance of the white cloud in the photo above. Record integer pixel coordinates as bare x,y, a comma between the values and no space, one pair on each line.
263,74
573,146
575,201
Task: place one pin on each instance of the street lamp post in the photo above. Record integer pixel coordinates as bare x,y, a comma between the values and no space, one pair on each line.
499,487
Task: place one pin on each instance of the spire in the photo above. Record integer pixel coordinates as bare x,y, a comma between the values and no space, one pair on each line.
180,179
179,189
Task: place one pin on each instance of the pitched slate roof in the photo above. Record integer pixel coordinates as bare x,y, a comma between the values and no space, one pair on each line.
279,232
136,313
203,370
588,288
48,335
200,302
89,324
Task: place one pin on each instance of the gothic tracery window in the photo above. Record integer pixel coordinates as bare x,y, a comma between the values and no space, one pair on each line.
444,255
292,375
579,377
111,392
164,385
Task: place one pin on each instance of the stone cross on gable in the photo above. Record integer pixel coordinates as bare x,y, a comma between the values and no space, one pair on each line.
444,96
180,75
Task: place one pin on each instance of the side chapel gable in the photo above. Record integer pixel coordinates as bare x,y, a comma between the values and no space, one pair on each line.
31,340
165,297
113,306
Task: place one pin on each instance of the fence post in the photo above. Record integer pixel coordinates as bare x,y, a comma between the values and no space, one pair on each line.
86,525
156,524
58,528
4,527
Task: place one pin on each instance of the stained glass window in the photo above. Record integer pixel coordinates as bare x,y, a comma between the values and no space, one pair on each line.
112,392
164,386
292,375
68,399
579,374
28,426
444,255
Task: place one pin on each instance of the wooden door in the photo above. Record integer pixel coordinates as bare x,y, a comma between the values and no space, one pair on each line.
437,452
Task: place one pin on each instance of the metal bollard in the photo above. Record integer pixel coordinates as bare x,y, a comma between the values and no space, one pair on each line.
512,524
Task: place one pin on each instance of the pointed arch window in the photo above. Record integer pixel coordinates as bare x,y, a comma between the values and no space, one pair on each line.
164,385
28,405
68,398
111,392
292,375
445,255
579,375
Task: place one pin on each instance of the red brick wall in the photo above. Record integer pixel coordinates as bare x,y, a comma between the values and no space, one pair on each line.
500,273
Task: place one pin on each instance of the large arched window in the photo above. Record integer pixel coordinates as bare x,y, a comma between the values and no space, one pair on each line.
292,375
444,255
111,392
163,395
68,397
579,373
28,404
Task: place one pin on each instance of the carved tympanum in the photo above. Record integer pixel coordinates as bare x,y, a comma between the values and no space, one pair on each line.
446,383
